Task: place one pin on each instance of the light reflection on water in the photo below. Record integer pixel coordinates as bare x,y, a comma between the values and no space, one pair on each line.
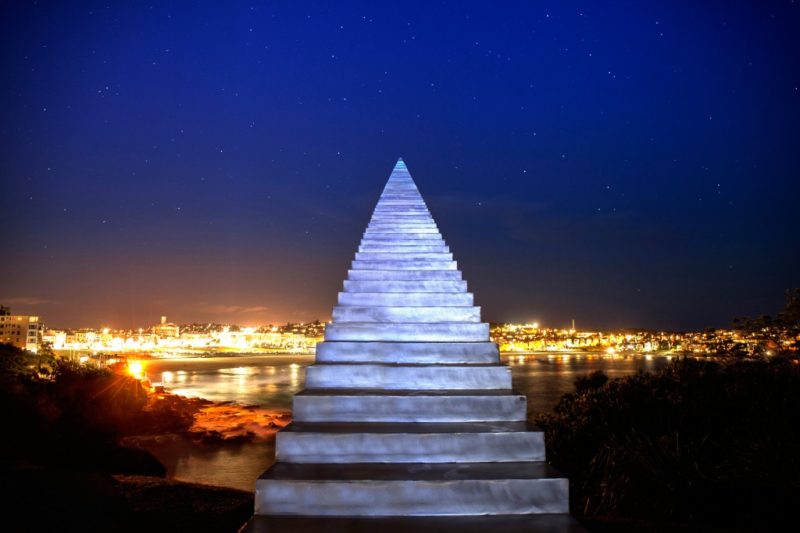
270,381
266,380
545,377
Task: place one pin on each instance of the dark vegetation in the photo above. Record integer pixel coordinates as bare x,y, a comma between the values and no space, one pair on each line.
699,444
62,465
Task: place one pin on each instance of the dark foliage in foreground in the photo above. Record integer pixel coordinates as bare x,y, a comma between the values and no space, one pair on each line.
695,443
59,413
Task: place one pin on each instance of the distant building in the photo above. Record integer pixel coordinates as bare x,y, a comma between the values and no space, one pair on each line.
20,330
166,330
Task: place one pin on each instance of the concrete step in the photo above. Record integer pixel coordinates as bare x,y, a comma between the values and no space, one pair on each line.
407,377
404,256
407,332
419,248
401,211
409,443
422,264
405,286
399,239
400,203
400,196
401,275
540,523
411,489
341,405
405,236
395,210
401,217
407,352
410,246
389,314
403,224
418,299
383,228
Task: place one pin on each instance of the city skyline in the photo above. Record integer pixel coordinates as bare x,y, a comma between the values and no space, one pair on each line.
626,167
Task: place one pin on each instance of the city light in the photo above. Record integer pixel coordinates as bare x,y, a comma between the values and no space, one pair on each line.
136,369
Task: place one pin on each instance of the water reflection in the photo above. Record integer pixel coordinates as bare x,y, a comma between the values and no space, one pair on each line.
545,377
265,380
236,465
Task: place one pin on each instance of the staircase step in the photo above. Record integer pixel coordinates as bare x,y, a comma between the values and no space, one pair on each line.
411,489
413,248
401,212
338,405
404,256
399,237
403,275
411,299
401,244
404,224
406,377
405,314
405,228
416,332
405,286
401,217
409,443
420,264
407,352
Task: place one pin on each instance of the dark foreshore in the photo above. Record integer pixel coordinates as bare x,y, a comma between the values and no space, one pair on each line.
70,459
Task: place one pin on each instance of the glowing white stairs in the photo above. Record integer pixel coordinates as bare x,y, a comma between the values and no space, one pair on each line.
407,410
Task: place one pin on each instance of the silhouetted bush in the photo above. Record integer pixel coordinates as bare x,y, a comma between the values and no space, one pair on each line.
697,442
69,416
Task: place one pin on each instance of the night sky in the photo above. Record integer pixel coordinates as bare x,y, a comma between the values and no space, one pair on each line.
625,164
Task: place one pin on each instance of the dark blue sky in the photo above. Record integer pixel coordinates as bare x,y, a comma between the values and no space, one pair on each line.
625,164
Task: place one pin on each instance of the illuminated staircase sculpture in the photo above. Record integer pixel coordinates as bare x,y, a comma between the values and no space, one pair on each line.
407,410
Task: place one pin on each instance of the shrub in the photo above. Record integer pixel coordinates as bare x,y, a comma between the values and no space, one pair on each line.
697,442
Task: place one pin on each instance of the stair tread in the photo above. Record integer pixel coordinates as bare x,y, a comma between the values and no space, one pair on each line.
410,427
406,392
411,365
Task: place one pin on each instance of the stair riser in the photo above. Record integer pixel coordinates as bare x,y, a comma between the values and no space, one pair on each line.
405,265
404,256
402,218
406,314
314,448
365,408
430,223
401,211
404,275
432,378
418,299
407,352
406,228
453,332
405,286
399,237
402,244
419,248
412,498
425,227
